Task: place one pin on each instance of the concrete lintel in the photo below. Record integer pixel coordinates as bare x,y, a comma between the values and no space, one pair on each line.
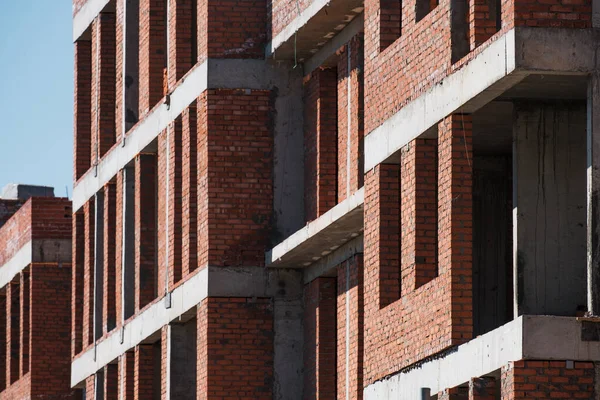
254,282
19,261
329,49
84,17
141,327
527,337
321,236
141,135
324,266
295,25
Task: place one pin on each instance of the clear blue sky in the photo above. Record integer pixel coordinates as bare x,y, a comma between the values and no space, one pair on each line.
36,96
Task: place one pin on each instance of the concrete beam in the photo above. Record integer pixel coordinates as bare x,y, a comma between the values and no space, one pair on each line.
527,337
496,69
321,236
331,47
84,17
285,286
326,265
35,251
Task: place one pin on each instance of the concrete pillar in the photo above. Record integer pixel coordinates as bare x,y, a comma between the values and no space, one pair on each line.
25,305
145,230
128,245
593,194
182,377
109,258
99,238
13,349
549,214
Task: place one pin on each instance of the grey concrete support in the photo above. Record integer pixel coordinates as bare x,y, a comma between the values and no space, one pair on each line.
130,64
182,362
98,263
549,214
128,257
593,194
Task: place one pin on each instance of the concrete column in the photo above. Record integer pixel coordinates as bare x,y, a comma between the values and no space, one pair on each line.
182,377
549,209
593,194
98,264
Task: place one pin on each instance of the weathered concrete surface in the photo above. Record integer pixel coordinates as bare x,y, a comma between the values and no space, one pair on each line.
549,170
527,337
499,67
326,266
312,27
83,19
321,236
17,191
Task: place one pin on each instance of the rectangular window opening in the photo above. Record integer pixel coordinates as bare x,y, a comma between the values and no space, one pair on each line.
390,22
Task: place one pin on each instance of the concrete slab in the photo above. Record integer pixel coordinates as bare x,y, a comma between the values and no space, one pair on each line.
321,236
312,28
501,66
527,337
83,19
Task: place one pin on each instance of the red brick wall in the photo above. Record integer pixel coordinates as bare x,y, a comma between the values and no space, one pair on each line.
103,84
50,325
235,348
320,339
235,177
8,208
282,12
439,314
82,143
419,213
13,331
180,36
482,388
143,372
350,98
398,72
3,347
189,190
51,218
126,371
19,390
119,32
527,379
90,387
111,382
152,56
320,142
350,320
88,274
15,233
77,285
232,28
25,325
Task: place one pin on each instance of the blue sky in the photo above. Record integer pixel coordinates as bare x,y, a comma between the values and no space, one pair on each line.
36,96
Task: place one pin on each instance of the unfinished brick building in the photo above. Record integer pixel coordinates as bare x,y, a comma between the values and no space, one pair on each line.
35,276
375,199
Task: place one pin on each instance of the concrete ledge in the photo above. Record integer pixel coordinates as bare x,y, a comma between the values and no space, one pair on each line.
140,328
35,251
325,266
84,17
321,236
141,135
527,337
352,29
503,64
